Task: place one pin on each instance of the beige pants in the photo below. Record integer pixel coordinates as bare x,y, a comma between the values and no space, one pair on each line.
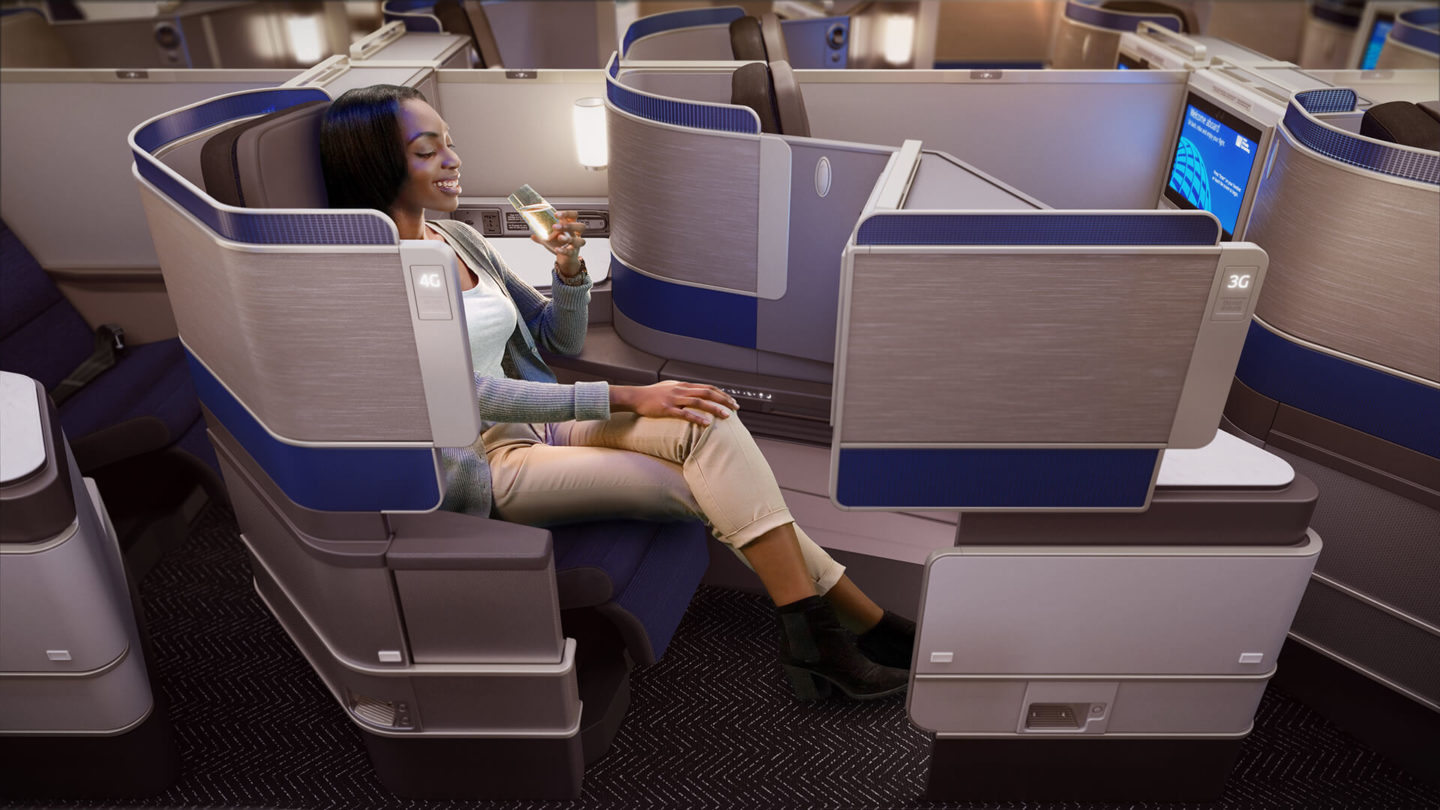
635,467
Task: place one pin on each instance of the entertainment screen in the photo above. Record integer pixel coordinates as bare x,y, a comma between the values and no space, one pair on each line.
1213,158
1126,62
1376,41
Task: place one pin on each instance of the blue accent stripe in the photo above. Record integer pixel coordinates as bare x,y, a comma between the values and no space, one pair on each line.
670,20
257,226
1336,12
1383,405
333,479
1334,99
680,113
680,309
415,22
1039,229
1352,149
417,15
191,120
1418,28
1090,13
962,478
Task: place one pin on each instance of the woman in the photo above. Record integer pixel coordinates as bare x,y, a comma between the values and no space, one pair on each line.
552,453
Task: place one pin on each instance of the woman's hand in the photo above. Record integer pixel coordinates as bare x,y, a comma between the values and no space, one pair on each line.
565,242
675,400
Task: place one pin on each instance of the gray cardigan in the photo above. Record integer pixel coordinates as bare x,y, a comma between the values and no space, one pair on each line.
529,392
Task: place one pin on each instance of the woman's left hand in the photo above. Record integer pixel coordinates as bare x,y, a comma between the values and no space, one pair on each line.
565,241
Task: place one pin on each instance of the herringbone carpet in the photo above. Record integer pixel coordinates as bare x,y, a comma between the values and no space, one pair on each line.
712,725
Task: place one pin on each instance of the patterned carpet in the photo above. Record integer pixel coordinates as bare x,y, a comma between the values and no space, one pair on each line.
712,725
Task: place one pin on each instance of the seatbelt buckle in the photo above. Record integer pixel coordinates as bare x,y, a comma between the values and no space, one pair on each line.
116,335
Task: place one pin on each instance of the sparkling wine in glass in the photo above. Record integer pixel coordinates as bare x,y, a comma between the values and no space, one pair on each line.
538,213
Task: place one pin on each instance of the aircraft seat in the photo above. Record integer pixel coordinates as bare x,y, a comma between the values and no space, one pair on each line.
774,36
415,15
479,658
750,86
135,427
1123,576
788,101
1403,123
747,43
1341,372
1087,33
1414,41
76,693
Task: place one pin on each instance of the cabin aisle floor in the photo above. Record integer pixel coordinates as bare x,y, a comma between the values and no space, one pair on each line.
712,725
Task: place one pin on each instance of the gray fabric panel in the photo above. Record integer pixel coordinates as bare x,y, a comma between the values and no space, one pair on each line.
1353,261
684,204
1020,348
1376,541
318,344
1383,644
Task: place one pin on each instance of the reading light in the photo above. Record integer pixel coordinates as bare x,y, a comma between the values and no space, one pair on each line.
899,39
592,146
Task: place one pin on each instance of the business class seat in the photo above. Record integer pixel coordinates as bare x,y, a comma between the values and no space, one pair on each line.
479,658
468,19
1403,123
79,713
135,427
1087,33
1341,376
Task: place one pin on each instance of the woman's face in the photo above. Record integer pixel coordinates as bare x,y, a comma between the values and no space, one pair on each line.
432,179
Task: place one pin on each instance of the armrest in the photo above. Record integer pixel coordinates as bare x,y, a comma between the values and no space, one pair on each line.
449,541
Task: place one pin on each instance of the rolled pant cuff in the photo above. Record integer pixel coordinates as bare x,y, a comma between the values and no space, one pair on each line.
828,579
752,531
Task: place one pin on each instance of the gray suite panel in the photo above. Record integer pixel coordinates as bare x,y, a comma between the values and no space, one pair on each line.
1114,331
802,322
684,202
279,328
1353,260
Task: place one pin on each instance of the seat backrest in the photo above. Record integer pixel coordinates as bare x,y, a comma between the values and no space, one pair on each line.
788,100
468,19
1402,123
268,162
771,91
750,87
747,44
775,50
41,334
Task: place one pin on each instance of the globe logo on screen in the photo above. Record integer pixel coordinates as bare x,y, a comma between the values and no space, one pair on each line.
1190,176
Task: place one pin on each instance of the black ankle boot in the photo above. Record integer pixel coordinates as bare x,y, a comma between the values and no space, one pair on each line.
889,643
817,652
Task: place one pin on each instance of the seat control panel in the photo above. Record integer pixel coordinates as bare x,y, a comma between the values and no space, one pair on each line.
500,220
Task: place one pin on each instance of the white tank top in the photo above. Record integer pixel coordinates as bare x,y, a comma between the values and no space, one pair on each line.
490,319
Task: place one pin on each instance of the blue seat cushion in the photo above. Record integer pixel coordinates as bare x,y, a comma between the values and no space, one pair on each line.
41,334
148,380
639,570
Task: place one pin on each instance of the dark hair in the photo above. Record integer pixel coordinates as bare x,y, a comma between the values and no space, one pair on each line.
362,151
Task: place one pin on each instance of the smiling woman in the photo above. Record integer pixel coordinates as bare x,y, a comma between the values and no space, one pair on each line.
551,453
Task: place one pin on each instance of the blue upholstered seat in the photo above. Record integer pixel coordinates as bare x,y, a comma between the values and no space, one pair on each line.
43,336
647,570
